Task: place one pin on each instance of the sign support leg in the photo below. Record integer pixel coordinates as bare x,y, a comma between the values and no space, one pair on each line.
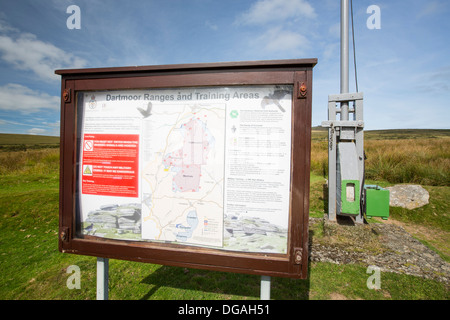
102,278
265,288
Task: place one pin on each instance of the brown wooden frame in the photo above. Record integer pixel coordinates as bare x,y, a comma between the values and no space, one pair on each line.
293,72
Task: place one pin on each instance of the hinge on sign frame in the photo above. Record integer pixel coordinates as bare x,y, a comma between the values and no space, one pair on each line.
298,255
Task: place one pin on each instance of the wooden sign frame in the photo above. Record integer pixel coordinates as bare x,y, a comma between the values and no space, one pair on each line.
294,73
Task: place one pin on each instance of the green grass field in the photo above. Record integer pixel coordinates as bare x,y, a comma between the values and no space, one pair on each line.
33,268
397,156
24,142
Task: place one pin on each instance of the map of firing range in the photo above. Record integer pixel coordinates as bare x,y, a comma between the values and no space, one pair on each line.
184,175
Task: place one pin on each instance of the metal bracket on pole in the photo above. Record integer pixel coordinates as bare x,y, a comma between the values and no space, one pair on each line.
265,288
102,278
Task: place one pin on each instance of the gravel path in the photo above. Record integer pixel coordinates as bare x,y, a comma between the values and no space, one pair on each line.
387,246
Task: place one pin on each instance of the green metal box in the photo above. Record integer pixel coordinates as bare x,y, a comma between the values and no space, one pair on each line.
377,202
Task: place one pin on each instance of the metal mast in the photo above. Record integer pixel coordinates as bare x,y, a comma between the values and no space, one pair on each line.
345,140
344,56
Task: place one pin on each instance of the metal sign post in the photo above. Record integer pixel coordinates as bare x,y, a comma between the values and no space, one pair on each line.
102,278
265,288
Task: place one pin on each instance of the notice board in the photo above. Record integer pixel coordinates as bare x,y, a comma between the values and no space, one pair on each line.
197,165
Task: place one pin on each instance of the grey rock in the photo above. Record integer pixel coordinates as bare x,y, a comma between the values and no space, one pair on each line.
408,196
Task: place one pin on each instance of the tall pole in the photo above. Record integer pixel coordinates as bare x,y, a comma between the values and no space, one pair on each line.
345,140
344,55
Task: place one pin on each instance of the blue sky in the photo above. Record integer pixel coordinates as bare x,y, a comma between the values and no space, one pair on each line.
403,68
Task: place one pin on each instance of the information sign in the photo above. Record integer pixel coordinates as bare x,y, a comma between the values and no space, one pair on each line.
203,166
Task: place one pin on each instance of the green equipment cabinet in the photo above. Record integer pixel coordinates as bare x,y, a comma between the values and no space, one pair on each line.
377,201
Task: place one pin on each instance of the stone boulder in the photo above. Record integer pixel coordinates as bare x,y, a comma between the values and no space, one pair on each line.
408,196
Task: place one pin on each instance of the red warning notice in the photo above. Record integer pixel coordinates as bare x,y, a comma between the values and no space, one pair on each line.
110,165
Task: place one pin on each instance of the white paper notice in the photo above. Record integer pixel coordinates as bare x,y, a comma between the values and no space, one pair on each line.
109,183
257,171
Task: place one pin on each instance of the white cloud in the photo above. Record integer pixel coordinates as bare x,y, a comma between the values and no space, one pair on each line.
431,8
330,51
16,97
61,4
267,11
278,40
4,26
38,126
24,51
36,131
335,30
211,26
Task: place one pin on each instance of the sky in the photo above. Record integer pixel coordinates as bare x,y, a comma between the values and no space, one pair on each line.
403,68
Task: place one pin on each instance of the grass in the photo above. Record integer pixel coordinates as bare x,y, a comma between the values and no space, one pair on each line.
26,139
33,268
29,225
397,159
24,142
39,161
420,161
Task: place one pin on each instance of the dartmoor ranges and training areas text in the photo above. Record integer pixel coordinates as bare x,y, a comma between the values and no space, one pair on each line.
181,97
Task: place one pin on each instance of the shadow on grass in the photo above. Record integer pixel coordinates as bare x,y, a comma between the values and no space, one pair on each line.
204,284
199,284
